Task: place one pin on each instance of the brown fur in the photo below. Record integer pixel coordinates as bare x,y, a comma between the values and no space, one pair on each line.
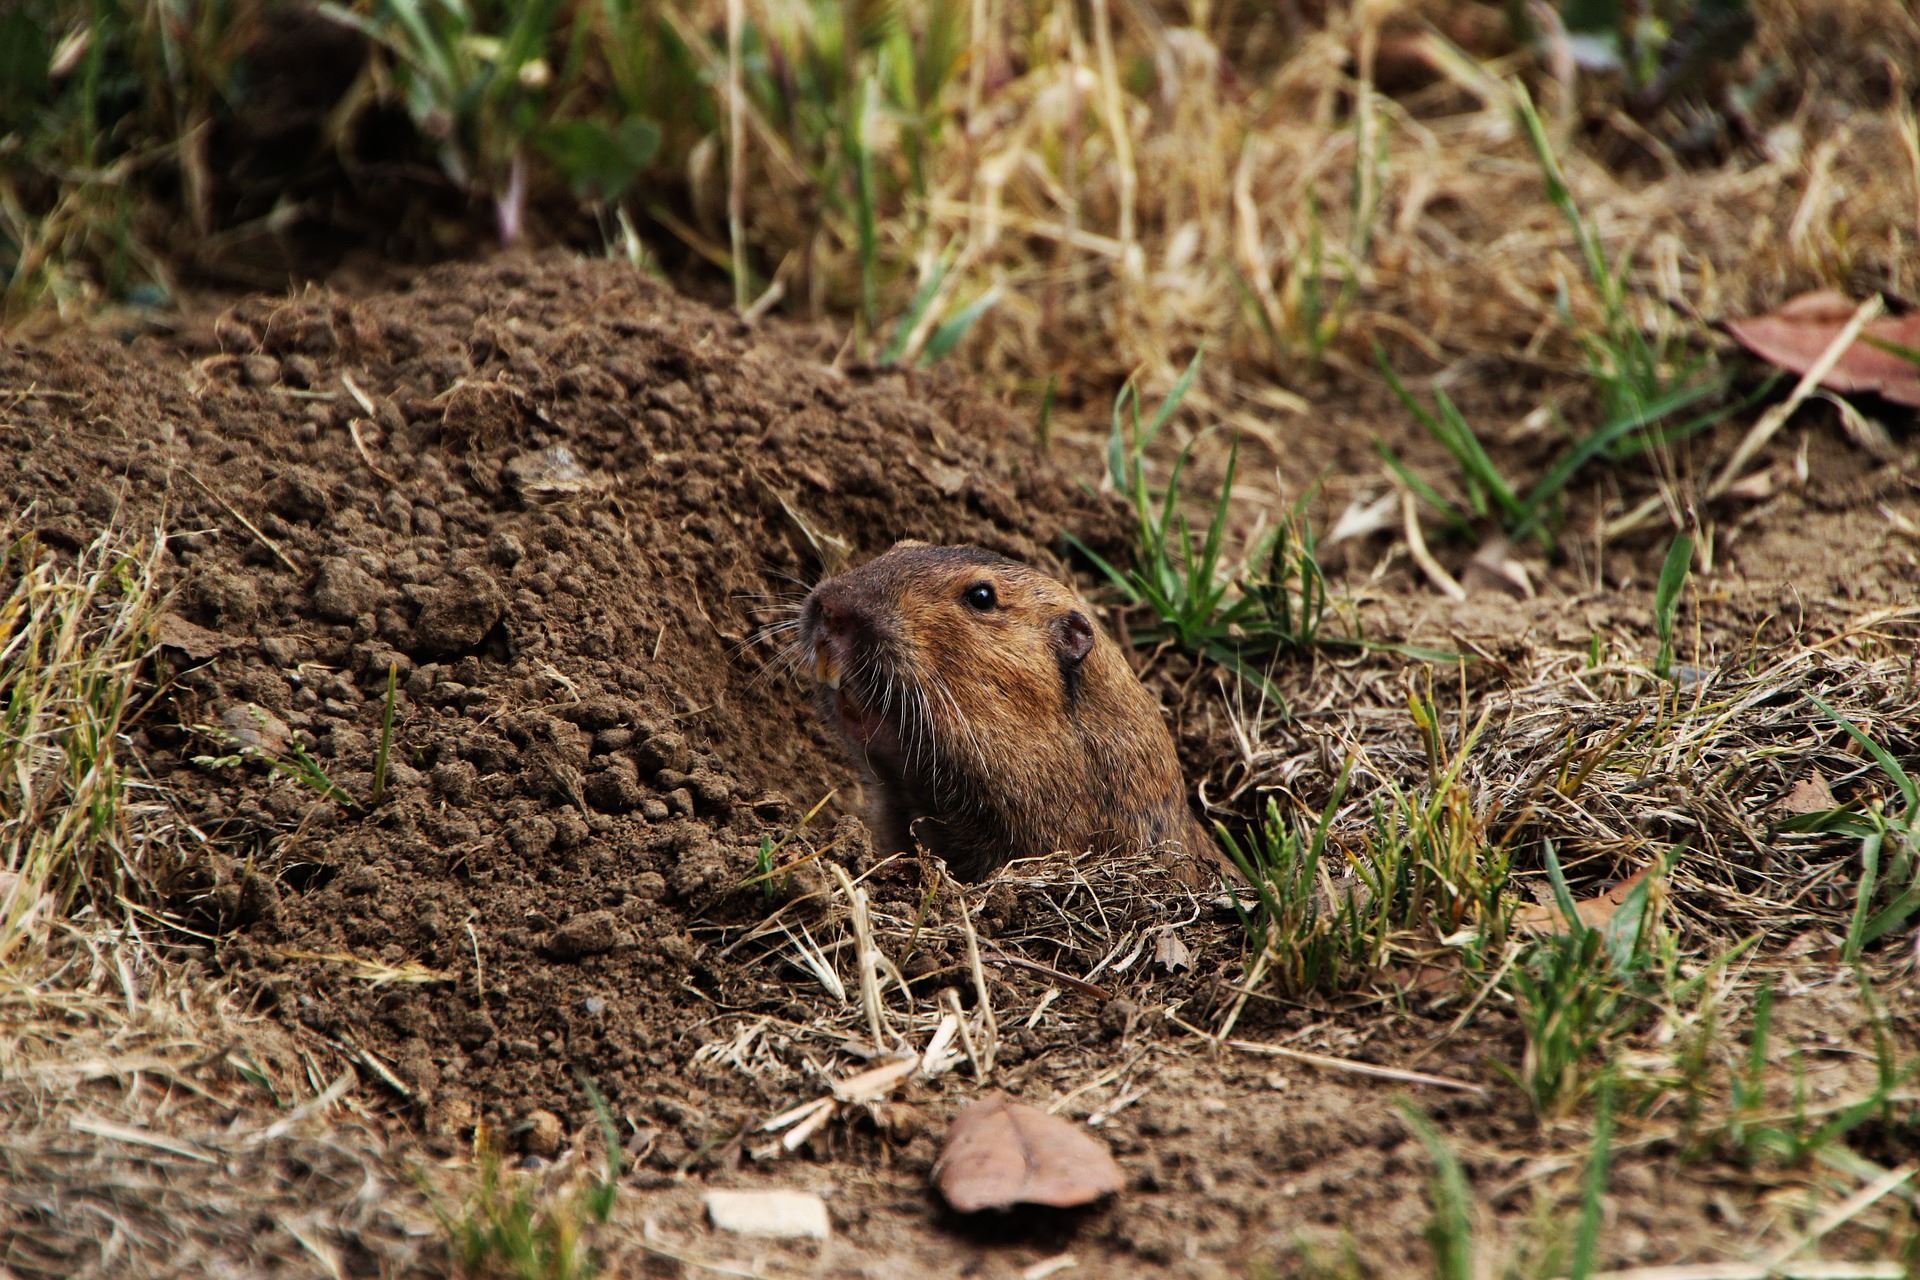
998,733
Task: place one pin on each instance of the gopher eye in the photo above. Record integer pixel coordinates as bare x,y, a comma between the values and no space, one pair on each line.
979,597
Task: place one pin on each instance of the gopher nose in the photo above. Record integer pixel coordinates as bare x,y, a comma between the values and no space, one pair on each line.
840,617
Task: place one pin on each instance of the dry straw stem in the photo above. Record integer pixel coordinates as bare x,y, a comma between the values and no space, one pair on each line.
73,635
1618,766
1453,225
1776,417
1077,915
153,1130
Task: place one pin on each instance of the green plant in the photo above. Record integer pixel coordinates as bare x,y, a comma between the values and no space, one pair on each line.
1644,385
73,637
1450,1230
1488,494
297,762
502,1230
1635,373
1423,870
847,86
942,337
772,878
1196,596
1310,939
99,104
1580,989
1666,599
508,1230
1760,1133
473,75
1889,846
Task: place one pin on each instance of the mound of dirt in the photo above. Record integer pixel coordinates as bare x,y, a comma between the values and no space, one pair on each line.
553,500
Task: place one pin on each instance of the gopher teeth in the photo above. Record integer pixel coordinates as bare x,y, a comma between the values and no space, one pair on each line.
825,668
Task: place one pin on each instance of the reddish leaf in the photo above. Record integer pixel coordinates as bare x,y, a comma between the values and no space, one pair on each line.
1001,1153
1594,912
1796,334
1809,795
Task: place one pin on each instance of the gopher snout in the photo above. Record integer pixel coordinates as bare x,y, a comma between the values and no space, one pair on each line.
837,630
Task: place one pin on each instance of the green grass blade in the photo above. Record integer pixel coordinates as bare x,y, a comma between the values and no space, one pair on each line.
1113,575
1666,598
1451,1231
916,309
953,328
1601,439
382,754
1174,397
1562,896
1892,916
1455,518
1910,354
1117,441
1593,1195
1892,768
1473,458
1217,527
1863,897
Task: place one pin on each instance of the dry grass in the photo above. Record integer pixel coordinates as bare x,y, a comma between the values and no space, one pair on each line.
151,1128
73,831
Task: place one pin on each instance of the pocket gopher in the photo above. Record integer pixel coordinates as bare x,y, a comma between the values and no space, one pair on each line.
993,718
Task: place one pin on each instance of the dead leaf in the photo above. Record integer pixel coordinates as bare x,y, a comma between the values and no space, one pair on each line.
1594,912
1810,795
252,727
1001,1153
550,473
174,632
1495,566
1170,953
1798,332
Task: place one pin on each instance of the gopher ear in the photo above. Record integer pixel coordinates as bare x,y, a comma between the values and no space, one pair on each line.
1073,637
908,542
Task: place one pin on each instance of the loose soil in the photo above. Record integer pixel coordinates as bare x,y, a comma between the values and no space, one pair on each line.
555,504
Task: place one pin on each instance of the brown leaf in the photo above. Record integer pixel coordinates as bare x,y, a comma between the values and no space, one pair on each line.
1795,335
1000,1153
1594,912
1809,795
1430,979
174,632
1495,567
252,727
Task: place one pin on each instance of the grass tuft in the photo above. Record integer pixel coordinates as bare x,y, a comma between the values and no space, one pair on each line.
1421,873
1240,612
73,637
509,1229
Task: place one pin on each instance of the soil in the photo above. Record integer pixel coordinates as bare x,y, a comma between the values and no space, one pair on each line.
555,504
